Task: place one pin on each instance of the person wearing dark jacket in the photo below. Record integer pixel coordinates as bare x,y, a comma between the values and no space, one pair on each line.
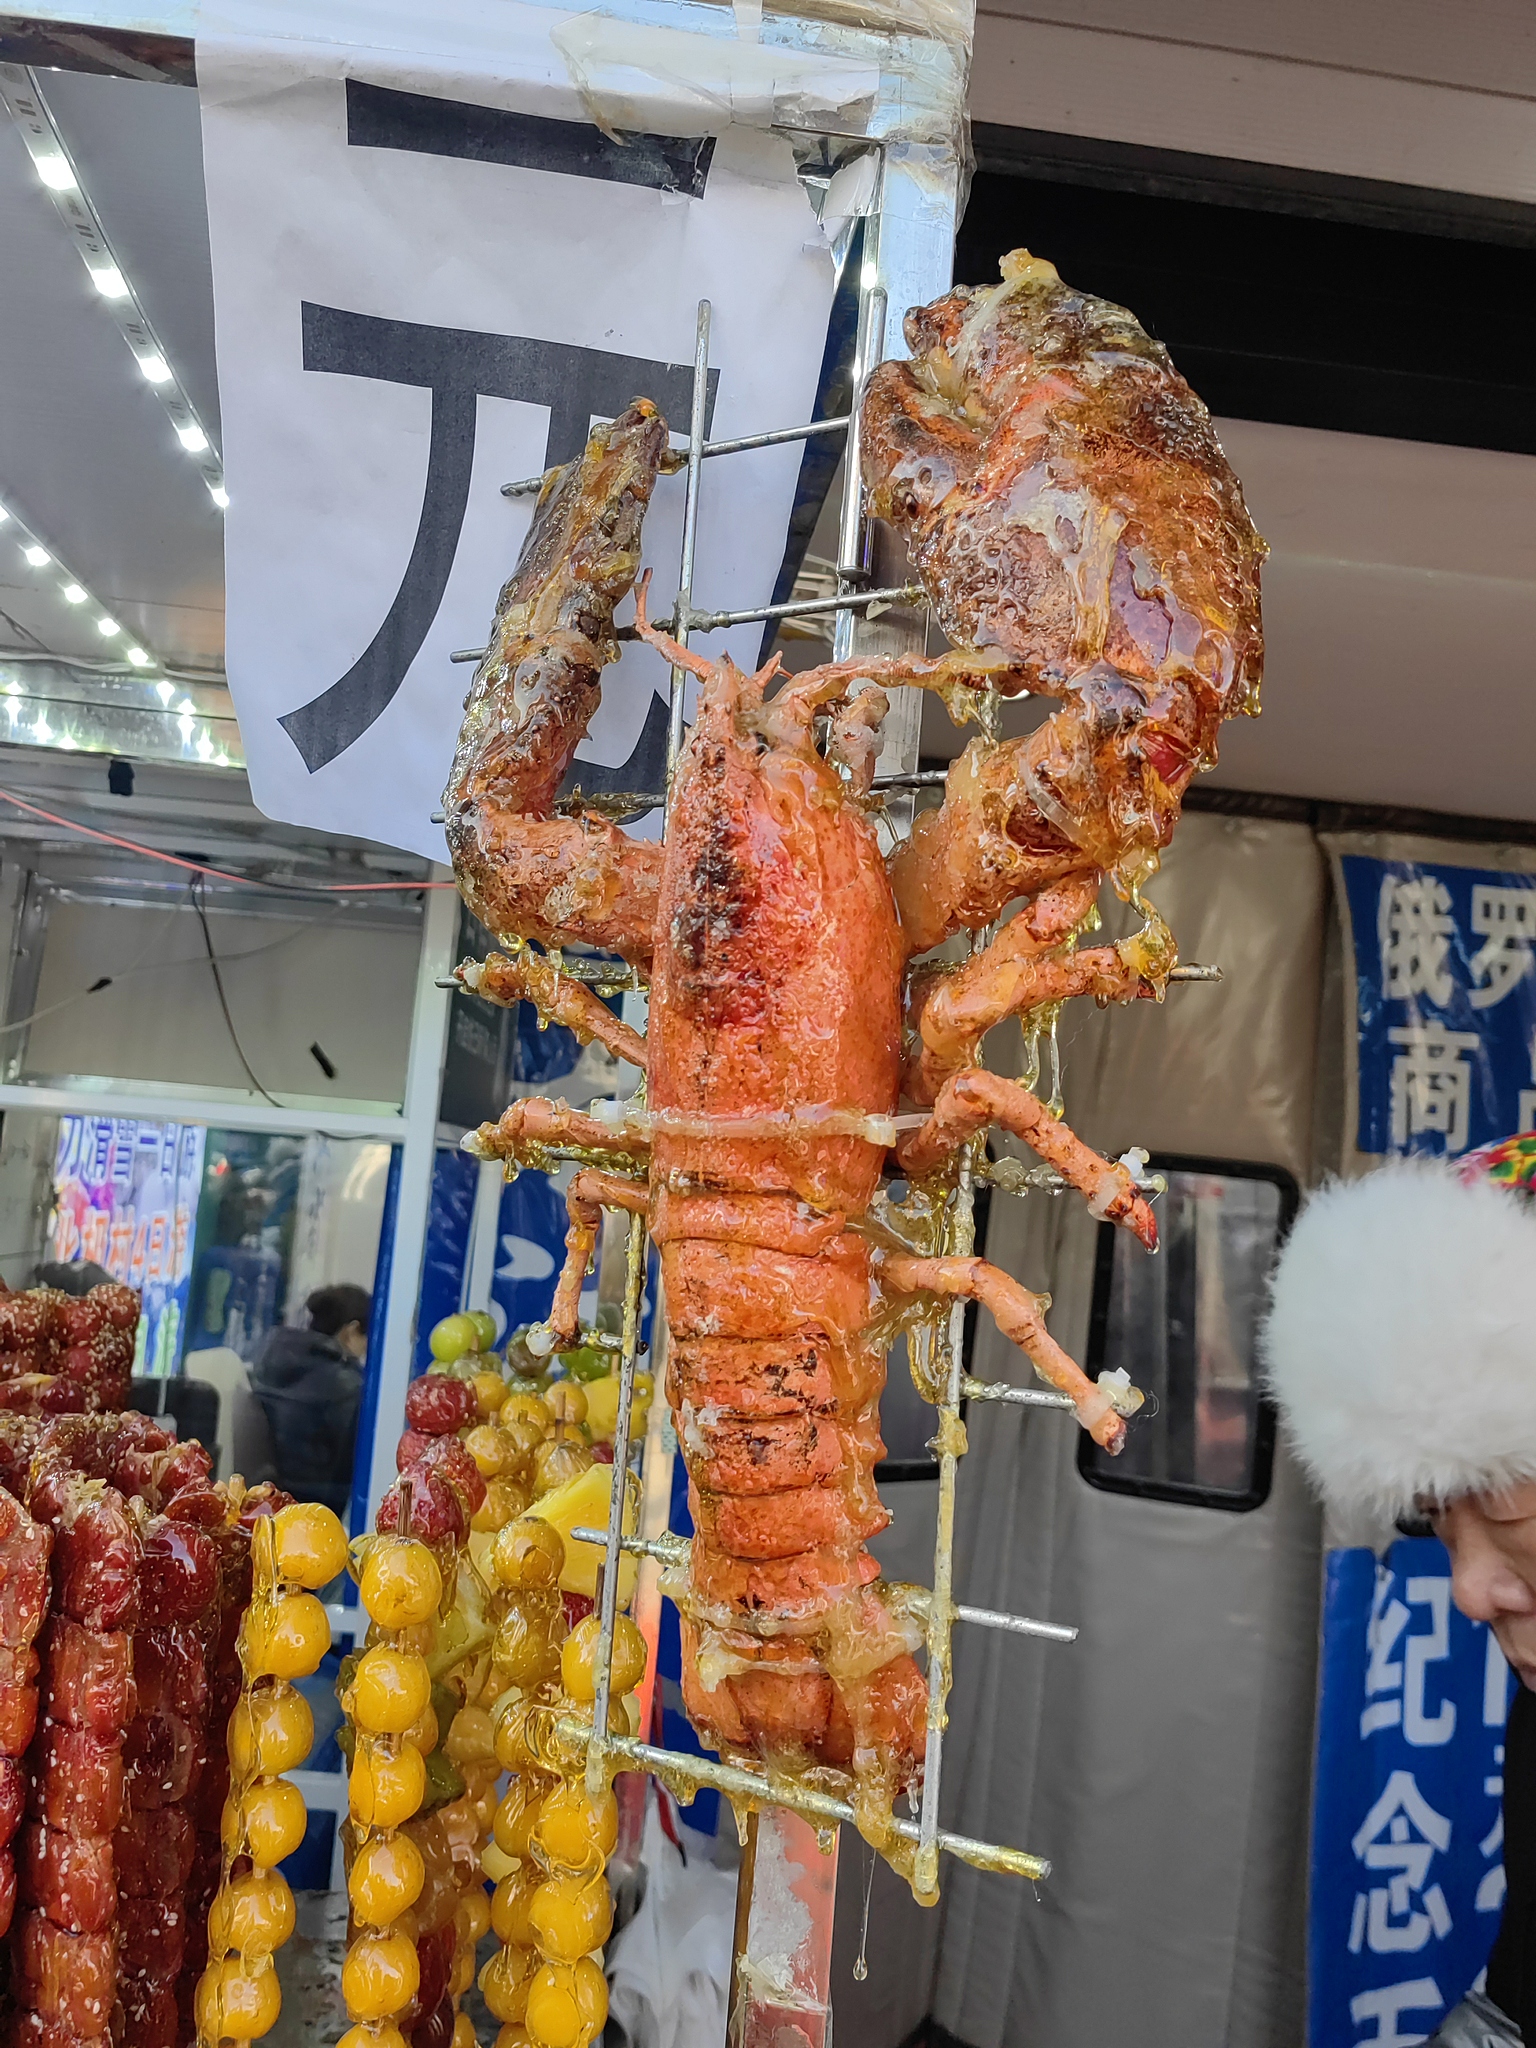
310,1384
1401,1349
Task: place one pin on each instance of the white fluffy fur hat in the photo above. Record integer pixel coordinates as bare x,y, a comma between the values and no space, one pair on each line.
1401,1346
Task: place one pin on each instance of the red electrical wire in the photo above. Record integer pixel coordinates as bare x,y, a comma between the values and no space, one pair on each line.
221,874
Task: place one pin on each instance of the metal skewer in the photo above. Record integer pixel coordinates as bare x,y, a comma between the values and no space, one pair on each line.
852,540
672,1551
690,530
817,1807
684,620
672,463
608,1595
615,975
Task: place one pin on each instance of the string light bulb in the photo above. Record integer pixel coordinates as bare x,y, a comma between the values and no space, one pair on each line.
45,144
55,172
75,594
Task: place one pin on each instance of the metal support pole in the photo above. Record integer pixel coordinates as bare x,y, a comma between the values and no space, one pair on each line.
690,527
852,540
608,1601
950,1441
781,1976
423,1088
735,2002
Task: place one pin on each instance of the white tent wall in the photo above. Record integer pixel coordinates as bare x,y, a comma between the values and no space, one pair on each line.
1411,92
1162,1761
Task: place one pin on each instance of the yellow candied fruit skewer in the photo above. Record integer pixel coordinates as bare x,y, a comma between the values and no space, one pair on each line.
552,1911
503,1446
524,1566
389,1701
283,1636
389,1704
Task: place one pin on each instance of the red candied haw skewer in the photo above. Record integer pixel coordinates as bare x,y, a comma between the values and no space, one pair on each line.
68,1876
70,1979
89,1682
96,1561
438,1515
24,1591
446,1454
437,1406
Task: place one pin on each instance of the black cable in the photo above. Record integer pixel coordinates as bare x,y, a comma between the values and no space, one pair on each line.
218,982
105,981
167,967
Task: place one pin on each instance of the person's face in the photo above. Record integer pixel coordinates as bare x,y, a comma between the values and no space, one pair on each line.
353,1339
1492,1541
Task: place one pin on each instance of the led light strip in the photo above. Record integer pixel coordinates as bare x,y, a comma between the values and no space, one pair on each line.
38,555
55,166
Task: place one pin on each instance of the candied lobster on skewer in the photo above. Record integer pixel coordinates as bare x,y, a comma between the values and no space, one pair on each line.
1069,509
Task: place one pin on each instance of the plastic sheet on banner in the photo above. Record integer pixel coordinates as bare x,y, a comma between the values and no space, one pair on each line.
822,65
635,77
897,72
1407,1880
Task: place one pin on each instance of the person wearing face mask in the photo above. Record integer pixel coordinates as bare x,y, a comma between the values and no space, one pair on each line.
1401,1350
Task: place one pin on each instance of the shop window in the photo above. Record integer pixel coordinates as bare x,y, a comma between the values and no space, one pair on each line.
1184,1324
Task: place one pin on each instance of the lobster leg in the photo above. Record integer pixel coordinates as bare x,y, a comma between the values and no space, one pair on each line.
589,1194
1017,1314
1024,968
969,1101
529,977
1010,975
523,870
539,1133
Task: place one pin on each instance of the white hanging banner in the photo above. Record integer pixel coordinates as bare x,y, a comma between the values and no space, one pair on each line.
428,281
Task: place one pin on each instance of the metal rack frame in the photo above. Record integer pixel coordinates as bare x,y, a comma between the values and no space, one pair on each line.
755,1787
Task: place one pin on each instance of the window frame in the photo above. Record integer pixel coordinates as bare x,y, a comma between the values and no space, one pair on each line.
1183,1493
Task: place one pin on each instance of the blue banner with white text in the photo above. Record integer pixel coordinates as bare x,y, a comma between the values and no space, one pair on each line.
1407,1834
1445,998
